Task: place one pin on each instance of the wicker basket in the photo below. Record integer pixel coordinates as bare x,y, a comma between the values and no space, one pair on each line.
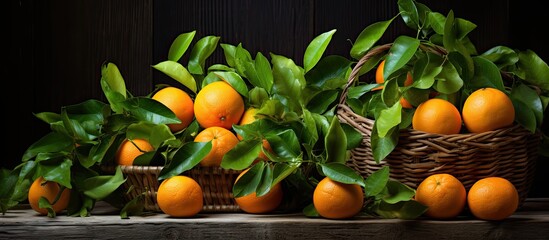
510,153
216,183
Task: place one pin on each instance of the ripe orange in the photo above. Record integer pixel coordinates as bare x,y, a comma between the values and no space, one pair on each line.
251,203
493,198
437,116
218,104
48,190
180,196
129,150
443,194
336,200
180,103
223,141
248,117
487,109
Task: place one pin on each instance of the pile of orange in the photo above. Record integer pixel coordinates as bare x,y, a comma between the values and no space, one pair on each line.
490,198
485,109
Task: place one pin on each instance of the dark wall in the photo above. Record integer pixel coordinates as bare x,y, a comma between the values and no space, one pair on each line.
55,48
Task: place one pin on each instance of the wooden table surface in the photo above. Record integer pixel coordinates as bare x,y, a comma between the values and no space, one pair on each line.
530,222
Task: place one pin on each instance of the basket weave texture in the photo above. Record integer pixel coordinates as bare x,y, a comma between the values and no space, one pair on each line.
216,183
510,152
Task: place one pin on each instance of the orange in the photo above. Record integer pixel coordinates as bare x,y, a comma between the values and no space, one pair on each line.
49,190
437,116
336,200
251,203
180,196
180,103
218,104
223,141
493,198
129,150
443,194
487,109
248,117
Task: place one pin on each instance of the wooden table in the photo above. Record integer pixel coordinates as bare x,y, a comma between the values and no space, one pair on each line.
530,222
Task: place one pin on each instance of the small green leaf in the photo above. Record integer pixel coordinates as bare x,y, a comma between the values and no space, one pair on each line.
397,192
178,72
99,187
376,182
354,137
180,45
530,98
409,13
310,211
133,208
316,48
150,110
487,74
248,182
342,173
448,80
407,210
266,182
285,143
536,71
113,85
402,50
235,81
501,56
388,119
229,52
383,146
437,21
283,170
242,155
368,37
200,52
264,72
188,156
329,73
51,142
335,143
524,115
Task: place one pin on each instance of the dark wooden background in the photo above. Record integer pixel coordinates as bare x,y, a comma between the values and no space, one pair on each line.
55,48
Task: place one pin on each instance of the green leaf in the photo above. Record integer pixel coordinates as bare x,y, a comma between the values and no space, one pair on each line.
335,143
99,187
464,27
311,135
426,69
388,119
264,72
535,69
448,80
178,72
44,203
200,52
289,80
242,155
285,143
383,146
407,210
185,158
354,137
180,45
400,53
51,142
310,211
437,21
98,151
249,181
235,81
529,96
113,85
501,56
133,208
150,110
397,192
342,173
229,52
316,48
330,73
368,37
409,13
322,101
524,115
266,182
376,182
283,170
257,96
55,169
487,74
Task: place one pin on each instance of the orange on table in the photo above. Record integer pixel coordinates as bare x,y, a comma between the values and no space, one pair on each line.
131,149
269,202
443,194
180,196
336,200
223,141
49,190
487,109
218,104
180,103
437,116
493,198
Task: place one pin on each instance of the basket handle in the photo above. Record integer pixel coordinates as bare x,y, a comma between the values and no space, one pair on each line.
356,69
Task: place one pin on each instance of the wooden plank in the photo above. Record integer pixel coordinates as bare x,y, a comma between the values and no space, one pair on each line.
531,222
